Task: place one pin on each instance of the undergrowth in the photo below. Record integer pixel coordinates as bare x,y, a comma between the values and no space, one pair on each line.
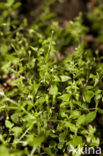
47,105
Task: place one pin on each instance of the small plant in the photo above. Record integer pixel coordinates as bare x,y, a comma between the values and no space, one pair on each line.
46,105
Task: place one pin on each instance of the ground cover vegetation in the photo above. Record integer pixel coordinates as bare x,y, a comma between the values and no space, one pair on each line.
50,99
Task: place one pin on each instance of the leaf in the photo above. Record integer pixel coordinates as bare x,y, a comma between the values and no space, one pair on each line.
62,137
60,145
81,120
91,130
17,130
56,78
77,140
72,127
90,117
8,124
65,97
75,114
4,151
64,78
88,95
14,118
35,141
10,3
84,132
95,142
98,95
85,119
53,90
17,5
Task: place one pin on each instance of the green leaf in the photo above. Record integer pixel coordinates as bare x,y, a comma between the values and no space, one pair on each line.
62,137
4,151
17,5
75,114
81,120
14,118
77,140
84,132
56,78
91,130
10,3
60,145
8,124
90,117
35,141
72,127
85,119
17,130
64,78
95,142
88,95
65,97
53,90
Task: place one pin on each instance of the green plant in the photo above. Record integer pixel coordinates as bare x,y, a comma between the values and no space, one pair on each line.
46,105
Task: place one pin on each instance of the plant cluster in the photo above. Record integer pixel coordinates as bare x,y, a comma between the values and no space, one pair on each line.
46,105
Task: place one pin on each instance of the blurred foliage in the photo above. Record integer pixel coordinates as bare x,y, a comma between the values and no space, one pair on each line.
96,16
